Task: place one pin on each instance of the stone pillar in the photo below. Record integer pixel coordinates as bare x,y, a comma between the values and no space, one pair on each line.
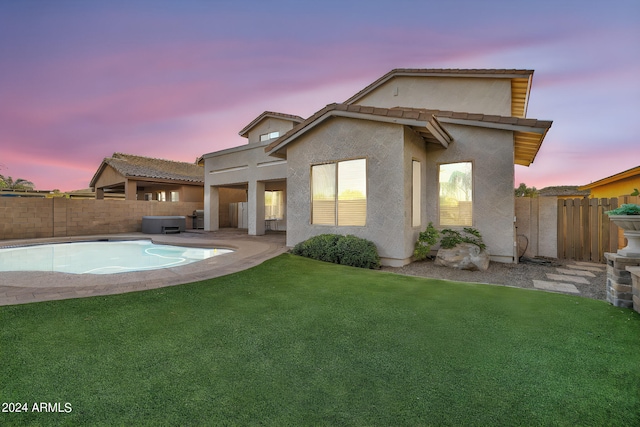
619,283
635,287
256,208
99,193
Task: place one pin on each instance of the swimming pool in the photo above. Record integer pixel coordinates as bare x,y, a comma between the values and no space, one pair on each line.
106,257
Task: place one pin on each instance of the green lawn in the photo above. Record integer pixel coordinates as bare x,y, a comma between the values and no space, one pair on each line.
300,342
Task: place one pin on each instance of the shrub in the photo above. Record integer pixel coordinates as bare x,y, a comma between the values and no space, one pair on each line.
346,250
451,238
426,240
625,209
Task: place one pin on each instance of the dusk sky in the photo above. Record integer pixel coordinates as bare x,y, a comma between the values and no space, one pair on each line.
80,80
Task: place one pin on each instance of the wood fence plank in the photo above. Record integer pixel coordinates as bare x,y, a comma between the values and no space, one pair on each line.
613,229
584,225
594,237
561,229
577,251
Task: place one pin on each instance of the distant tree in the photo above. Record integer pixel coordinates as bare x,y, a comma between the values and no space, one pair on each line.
524,191
19,184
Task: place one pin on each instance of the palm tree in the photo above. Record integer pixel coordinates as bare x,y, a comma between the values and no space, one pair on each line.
19,184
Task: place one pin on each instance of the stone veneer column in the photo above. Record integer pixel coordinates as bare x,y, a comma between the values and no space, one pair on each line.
635,287
619,282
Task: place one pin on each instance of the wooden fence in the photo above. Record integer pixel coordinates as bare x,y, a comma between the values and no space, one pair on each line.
585,232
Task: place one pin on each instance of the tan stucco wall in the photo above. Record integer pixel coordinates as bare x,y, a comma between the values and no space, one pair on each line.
269,124
491,153
109,177
26,218
471,95
344,139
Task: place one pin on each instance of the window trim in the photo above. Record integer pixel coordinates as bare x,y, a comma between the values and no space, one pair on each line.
473,196
416,194
336,190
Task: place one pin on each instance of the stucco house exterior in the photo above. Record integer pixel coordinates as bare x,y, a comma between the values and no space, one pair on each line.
415,146
146,178
621,184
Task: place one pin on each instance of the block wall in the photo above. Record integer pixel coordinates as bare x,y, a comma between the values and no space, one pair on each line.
27,218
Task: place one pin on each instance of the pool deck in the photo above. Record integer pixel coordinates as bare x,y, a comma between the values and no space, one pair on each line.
21,287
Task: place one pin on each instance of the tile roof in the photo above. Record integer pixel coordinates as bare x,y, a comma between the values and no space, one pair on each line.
147,167
416,116
245,131
563,190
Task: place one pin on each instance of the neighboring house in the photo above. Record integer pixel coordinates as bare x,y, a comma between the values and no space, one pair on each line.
620,184
563,192
145,178
415,146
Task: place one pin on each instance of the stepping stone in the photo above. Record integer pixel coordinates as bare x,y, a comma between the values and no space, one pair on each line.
555,286
565,278
590,264
575,272
586,267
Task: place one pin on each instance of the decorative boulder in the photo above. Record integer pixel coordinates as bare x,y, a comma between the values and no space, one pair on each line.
463,256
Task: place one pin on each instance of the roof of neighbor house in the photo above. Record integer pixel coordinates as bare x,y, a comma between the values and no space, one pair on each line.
146,167
268,114
563,191
528,133
520,82
629,173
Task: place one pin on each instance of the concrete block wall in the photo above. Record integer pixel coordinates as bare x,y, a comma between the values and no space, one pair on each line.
27,218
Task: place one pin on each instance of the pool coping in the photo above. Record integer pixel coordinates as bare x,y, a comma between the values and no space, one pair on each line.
21,287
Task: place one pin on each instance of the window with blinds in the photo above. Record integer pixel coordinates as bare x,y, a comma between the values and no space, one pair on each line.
339,193
274,204
456,194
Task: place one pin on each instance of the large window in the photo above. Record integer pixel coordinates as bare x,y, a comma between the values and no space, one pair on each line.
456,194
273,205
339,193
415,194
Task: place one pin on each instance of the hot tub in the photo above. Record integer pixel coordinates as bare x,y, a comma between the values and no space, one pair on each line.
163,224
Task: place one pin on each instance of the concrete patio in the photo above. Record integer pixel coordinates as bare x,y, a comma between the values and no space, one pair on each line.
24,287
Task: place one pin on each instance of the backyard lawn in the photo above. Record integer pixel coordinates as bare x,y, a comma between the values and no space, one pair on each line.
301,342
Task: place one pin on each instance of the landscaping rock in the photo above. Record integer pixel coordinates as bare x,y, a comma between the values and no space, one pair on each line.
464,256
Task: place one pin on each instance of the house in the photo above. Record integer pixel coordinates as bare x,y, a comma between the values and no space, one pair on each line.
620,184
563,192
415,146
145,178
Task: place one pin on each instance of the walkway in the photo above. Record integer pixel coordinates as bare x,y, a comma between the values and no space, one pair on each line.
26,287
565,279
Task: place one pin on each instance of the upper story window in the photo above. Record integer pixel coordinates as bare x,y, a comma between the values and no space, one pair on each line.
339,193
269,135
456,194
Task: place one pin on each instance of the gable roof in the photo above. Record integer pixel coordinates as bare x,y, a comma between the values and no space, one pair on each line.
268,114
132,166
520,82
528,133
563,191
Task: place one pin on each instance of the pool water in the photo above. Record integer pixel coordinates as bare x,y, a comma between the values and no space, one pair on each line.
101,257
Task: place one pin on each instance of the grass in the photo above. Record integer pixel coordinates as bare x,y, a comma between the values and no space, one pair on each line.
300,342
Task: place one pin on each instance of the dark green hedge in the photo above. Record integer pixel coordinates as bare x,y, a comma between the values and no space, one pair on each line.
338,249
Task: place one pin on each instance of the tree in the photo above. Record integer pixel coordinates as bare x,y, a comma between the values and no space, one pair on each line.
524,191
19,184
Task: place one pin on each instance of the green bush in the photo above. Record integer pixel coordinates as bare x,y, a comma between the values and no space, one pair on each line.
625,209
426,240
346,250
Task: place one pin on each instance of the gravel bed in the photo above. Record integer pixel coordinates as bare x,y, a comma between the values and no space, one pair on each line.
518,275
